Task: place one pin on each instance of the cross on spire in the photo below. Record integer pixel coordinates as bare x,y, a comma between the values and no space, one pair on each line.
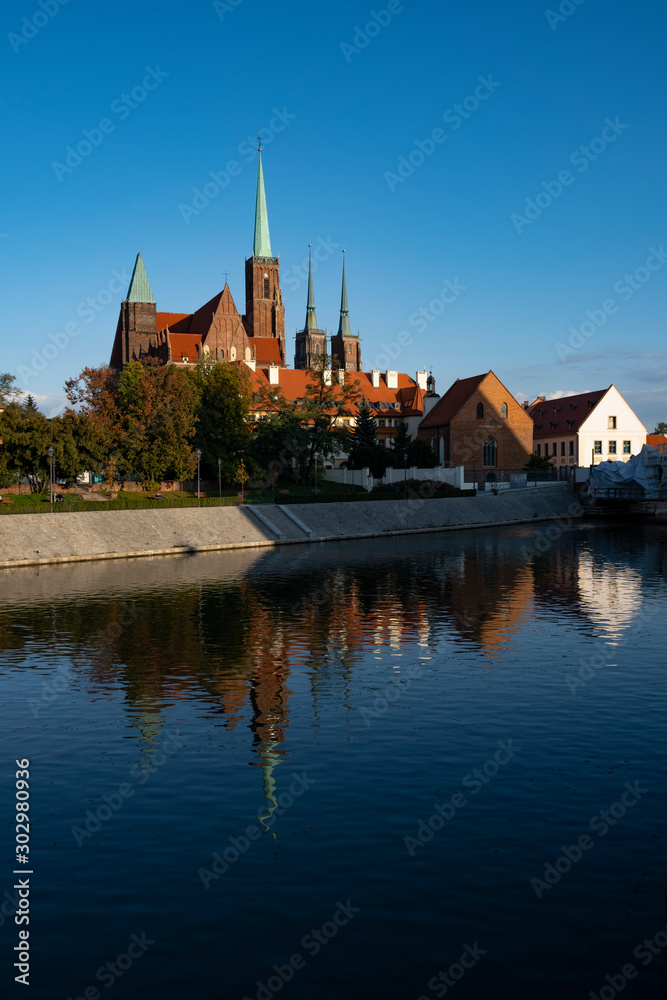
259,142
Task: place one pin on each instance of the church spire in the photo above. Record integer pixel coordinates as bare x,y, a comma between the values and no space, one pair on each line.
140,289
262,242
344,329
311,318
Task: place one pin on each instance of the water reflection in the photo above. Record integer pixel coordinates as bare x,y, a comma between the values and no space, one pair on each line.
269,657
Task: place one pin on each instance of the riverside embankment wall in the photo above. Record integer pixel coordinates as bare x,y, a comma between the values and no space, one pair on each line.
36,539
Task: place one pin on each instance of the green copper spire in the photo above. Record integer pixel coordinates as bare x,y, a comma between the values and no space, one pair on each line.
262,244
344,325
139,290
311,318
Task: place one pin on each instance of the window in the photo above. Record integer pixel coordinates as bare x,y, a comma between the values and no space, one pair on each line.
611,423
612,447
267,294
349,348
503,411
562,447
381,423
571,447
480,411
597,447
555,449
539,450
490,451
626,448
221,352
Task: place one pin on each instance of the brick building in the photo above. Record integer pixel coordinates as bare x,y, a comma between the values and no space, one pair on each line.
479,424
217,330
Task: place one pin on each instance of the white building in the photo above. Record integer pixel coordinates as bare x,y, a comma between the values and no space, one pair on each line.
586,429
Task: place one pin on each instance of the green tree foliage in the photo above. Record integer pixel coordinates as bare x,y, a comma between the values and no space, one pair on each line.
538,463
143,417
296,430
8,390
223,431
420,454
365,452
26,434
661,428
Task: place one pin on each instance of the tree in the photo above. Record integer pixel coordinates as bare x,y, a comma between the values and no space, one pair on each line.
538,463
310,425
241,476
26,434
223,400
419,452
661,428
365,435
144,415
8,392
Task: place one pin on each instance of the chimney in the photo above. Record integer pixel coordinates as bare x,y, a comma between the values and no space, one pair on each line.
273,374
252,365
526,404
392,380
326,376
375,378
341,376
420,379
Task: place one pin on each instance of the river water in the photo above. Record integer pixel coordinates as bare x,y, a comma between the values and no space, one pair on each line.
422,767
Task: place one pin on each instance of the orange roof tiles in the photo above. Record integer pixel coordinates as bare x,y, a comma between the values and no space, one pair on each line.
293,383
267,350
165,320
184,345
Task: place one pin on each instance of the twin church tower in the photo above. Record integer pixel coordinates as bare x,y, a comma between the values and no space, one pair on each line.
217,331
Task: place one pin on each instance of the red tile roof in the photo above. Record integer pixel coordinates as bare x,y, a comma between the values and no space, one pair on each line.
292,383
450,404
184,345
656,440
173,321
267,350
565,415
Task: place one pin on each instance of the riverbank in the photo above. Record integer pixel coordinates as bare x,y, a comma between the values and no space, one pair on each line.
42,539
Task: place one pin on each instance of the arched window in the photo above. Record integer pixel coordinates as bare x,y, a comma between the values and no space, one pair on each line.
222,353
480,411
349,348
490,452
266,286
503,411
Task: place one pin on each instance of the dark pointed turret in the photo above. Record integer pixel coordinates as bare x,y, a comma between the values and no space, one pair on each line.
345,346
310,341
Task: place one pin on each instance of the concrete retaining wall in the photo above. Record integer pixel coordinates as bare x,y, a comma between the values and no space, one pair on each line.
34,539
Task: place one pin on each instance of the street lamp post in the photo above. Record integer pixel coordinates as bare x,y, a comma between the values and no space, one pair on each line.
220,477
50,452
405,475
474,471
198,454
316,456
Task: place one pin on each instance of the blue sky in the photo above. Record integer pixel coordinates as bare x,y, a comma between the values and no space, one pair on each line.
533,200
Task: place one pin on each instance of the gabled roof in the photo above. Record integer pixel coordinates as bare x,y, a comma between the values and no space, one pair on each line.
564,415
456,396
184,345
267,350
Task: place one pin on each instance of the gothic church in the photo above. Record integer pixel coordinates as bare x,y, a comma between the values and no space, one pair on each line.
217,331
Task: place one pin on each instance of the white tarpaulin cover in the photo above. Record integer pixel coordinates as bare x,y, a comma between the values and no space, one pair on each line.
647,470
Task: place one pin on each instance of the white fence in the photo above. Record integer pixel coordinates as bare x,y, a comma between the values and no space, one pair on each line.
362,477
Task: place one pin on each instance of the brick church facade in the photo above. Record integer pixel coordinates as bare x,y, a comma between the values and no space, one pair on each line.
218,332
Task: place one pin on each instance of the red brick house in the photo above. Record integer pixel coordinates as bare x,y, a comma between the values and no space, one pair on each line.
479,424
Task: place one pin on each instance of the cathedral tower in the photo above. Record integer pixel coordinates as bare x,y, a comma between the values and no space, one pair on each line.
310,341
265,313
345,346
138,321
